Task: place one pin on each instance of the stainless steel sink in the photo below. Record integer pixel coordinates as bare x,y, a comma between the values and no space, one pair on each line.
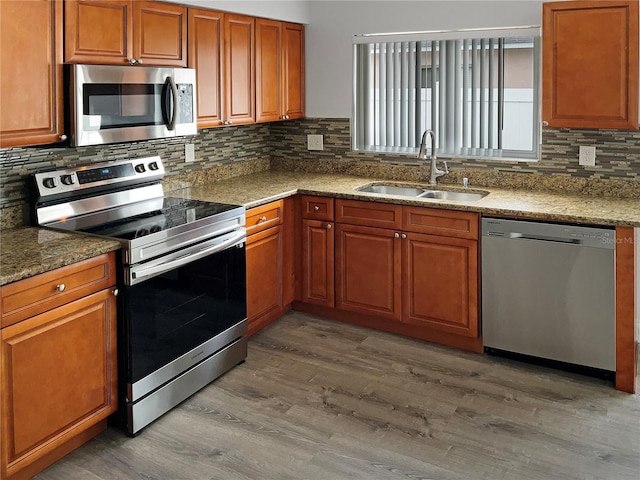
418,192
393,190
451,195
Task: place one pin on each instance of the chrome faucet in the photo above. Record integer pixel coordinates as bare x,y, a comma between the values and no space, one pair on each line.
422,153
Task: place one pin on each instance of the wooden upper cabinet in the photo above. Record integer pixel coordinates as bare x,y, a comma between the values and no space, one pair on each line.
119,32
160,34
590,64
206,40
279,70
239,69
98,31
293,93
31,88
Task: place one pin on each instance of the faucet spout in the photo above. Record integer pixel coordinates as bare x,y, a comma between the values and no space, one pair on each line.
422,154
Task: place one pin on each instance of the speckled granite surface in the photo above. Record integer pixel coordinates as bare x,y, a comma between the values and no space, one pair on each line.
28,251
260,188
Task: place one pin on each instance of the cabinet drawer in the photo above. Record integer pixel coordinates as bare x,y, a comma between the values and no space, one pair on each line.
35,295
263,217
372,214
317,208
441,222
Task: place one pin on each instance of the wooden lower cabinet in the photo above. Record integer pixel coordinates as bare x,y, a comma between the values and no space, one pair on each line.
318,262
58,382
440,283
368,271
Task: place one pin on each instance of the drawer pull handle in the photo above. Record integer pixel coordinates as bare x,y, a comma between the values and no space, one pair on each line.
60,287
316,208
328,226
262,219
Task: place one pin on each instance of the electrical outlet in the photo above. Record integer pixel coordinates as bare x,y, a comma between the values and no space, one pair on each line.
587,156
189,152
314,142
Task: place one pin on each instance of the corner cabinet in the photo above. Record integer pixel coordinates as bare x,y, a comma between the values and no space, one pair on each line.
590,64
279,70
58,362
31,80
119,32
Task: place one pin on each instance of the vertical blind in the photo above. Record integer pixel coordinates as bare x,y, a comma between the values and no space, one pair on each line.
453,86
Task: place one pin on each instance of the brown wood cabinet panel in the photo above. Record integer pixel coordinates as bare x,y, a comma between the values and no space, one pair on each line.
31,78
98,31
317,208
590,64
160,33
264,217
34,295
368,271
626,351
206,40
268,70
58,378
264,276
440,286
289,234
318,284
441,222
293,71
372,214
239,69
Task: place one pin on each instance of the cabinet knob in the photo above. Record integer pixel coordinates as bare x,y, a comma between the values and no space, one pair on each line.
262,219
404,235
227,122
545,123
396,235
328,226
115,292
316,208
132,61
62,137
60,287
138,61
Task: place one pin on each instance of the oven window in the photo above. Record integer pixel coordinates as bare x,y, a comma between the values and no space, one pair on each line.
116,105
171,314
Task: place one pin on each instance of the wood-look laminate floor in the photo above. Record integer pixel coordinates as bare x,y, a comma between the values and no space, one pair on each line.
318,399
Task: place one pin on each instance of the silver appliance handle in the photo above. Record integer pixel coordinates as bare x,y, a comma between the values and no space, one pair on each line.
139,274
544,238
174,95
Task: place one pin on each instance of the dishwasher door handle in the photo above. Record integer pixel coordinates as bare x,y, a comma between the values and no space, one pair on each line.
543,238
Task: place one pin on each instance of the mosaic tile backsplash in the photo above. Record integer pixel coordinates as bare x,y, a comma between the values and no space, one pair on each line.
238,150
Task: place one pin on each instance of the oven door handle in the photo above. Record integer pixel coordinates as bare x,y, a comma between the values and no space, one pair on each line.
140,273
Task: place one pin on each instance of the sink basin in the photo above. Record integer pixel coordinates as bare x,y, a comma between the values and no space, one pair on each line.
451,195
393,190
418,192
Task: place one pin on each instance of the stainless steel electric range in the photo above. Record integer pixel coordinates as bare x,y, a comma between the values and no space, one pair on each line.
181,278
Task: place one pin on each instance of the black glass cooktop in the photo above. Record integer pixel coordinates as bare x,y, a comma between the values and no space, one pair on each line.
145,218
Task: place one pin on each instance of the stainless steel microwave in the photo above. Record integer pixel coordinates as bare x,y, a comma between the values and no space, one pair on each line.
111,104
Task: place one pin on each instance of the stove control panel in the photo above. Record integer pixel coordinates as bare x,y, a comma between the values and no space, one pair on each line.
104,174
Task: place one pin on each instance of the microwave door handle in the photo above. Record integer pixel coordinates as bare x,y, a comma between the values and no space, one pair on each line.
171,124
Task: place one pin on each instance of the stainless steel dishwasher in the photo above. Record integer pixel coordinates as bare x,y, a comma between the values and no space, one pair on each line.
548,292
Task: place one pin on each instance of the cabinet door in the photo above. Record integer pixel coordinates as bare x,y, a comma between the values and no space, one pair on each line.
206,41
440,283
318,262
368,278
264,277
58,378
98,31
239,69
160,34
268,70
31,73
590,64
293,94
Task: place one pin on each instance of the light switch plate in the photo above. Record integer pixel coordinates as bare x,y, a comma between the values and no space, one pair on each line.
587,156
315,142
189,152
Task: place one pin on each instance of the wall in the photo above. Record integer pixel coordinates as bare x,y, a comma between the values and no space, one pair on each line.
288,10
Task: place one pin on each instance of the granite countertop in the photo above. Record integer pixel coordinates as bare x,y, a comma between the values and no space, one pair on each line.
28,251
261,188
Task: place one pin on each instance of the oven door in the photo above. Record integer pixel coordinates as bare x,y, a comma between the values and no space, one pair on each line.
179,318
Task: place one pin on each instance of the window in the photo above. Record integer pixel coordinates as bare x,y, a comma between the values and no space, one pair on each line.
477,90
